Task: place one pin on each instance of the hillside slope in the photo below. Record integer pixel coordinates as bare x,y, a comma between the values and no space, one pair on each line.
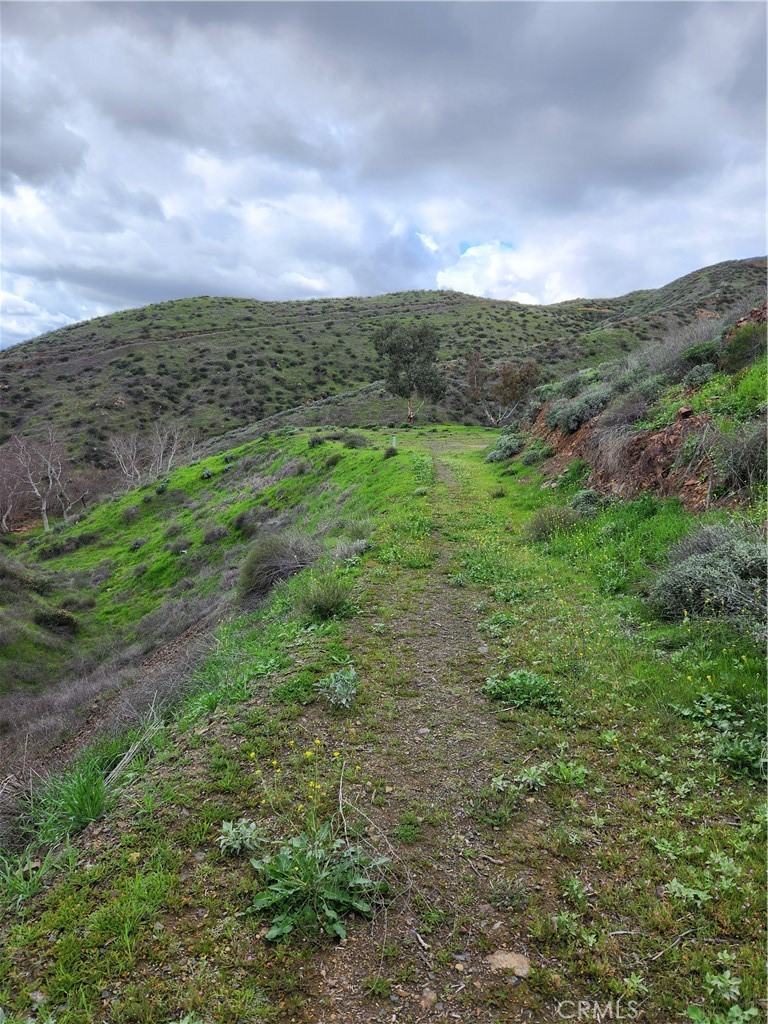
215,364
541,762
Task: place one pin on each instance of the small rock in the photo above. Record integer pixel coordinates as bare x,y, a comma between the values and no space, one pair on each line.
423,732
428,998
503,960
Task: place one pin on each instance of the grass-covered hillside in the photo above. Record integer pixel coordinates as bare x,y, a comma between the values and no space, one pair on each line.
218,363
461,747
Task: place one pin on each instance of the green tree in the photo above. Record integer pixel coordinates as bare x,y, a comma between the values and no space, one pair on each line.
409,353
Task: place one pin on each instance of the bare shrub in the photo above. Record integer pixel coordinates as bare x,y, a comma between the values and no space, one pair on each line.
631,409
174,618
669,355
608,448
214,534
546,522
742,457
274,557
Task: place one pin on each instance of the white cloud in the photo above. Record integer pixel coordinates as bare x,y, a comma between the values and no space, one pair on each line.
523,151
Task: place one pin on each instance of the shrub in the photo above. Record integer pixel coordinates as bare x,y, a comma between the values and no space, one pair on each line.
587,502
180,546
248,521
546,522
57,620
351,439
744,550
350,550
508,444
316,440
743,345
701,354
333,460
569,415
325,597
707,584
339,688
699,375
139,542
359,528
651,388
274,557
537,452
522,688
577,383
390,451
214,534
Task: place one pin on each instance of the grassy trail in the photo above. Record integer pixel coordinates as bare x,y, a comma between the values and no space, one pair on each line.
588,833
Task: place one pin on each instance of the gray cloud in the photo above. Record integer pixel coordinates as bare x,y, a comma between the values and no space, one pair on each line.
154,150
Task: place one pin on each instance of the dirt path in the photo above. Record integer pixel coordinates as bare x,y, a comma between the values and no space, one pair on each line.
438,743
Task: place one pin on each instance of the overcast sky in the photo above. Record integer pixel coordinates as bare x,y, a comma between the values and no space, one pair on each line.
529,151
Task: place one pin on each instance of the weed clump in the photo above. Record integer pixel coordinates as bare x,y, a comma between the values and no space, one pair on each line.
522,688
389,452
325,597
552,519
275,557
241,836
314,880
339,688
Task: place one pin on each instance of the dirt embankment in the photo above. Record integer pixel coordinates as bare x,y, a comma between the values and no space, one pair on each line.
627,465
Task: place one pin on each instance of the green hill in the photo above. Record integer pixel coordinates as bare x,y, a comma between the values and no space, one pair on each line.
216,364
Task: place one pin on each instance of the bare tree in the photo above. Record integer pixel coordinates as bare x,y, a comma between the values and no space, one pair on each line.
12,495
512,385
140,458
168,443
127,451
45,472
